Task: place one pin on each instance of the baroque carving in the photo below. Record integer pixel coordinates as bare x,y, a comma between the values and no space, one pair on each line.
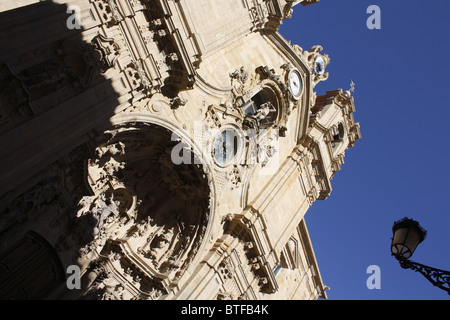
151,209
44,198
14,100
234,177
48,202
138,79
316,61
249,253
82,62
109,51
109,12
180,67
178,101
238,80
259,13
49,75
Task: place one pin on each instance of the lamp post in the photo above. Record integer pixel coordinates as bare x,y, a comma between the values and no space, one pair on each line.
407,234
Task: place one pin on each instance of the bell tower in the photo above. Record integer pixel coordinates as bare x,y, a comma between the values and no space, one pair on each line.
333,129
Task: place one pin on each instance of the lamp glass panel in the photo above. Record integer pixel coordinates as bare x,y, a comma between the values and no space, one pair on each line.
400,235
413,239
398,247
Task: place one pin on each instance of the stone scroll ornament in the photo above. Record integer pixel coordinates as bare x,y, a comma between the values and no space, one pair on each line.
316,61
108,49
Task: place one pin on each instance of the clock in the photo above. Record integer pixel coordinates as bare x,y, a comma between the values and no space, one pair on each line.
319,65
295,83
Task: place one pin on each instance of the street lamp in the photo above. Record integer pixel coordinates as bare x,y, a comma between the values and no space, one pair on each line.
407,234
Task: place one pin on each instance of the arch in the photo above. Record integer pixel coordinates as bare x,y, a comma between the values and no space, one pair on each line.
338,134
166,225
196,146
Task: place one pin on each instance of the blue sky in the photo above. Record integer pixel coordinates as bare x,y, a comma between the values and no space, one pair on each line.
400,167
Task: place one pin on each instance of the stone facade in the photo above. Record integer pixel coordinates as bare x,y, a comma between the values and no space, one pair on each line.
167,149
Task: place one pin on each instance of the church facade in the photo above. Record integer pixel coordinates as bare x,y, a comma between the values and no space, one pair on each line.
162,149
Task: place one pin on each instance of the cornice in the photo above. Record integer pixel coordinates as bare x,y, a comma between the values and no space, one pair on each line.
244,227
309,251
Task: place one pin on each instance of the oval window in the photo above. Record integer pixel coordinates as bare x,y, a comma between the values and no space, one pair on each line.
226,145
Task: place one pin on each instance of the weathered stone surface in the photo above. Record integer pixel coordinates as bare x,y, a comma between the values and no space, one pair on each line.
169,149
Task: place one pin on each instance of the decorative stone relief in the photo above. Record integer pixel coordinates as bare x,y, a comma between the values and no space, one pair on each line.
316,61
234,177
14,100
267,147
152,210
82,62
258,13
233,278
109,12
108,49
178,101
249,252
138,78
173,60
45,198
49,75
238,80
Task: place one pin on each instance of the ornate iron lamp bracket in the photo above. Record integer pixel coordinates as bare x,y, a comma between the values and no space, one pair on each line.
439,278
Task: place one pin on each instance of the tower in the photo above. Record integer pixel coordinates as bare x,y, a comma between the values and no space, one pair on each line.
166,149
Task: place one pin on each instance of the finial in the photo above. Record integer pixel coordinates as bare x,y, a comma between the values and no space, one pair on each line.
352,86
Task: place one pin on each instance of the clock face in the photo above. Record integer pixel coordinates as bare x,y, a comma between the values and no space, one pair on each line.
225,146
319,65
295,84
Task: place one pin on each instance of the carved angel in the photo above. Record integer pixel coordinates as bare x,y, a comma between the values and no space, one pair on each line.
238,79
241,75
105,210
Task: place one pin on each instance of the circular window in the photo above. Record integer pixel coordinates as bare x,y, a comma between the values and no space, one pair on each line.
226,145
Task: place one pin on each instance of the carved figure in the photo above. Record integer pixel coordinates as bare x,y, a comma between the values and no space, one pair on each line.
238,79
264,111
113,149
105,210
241,75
